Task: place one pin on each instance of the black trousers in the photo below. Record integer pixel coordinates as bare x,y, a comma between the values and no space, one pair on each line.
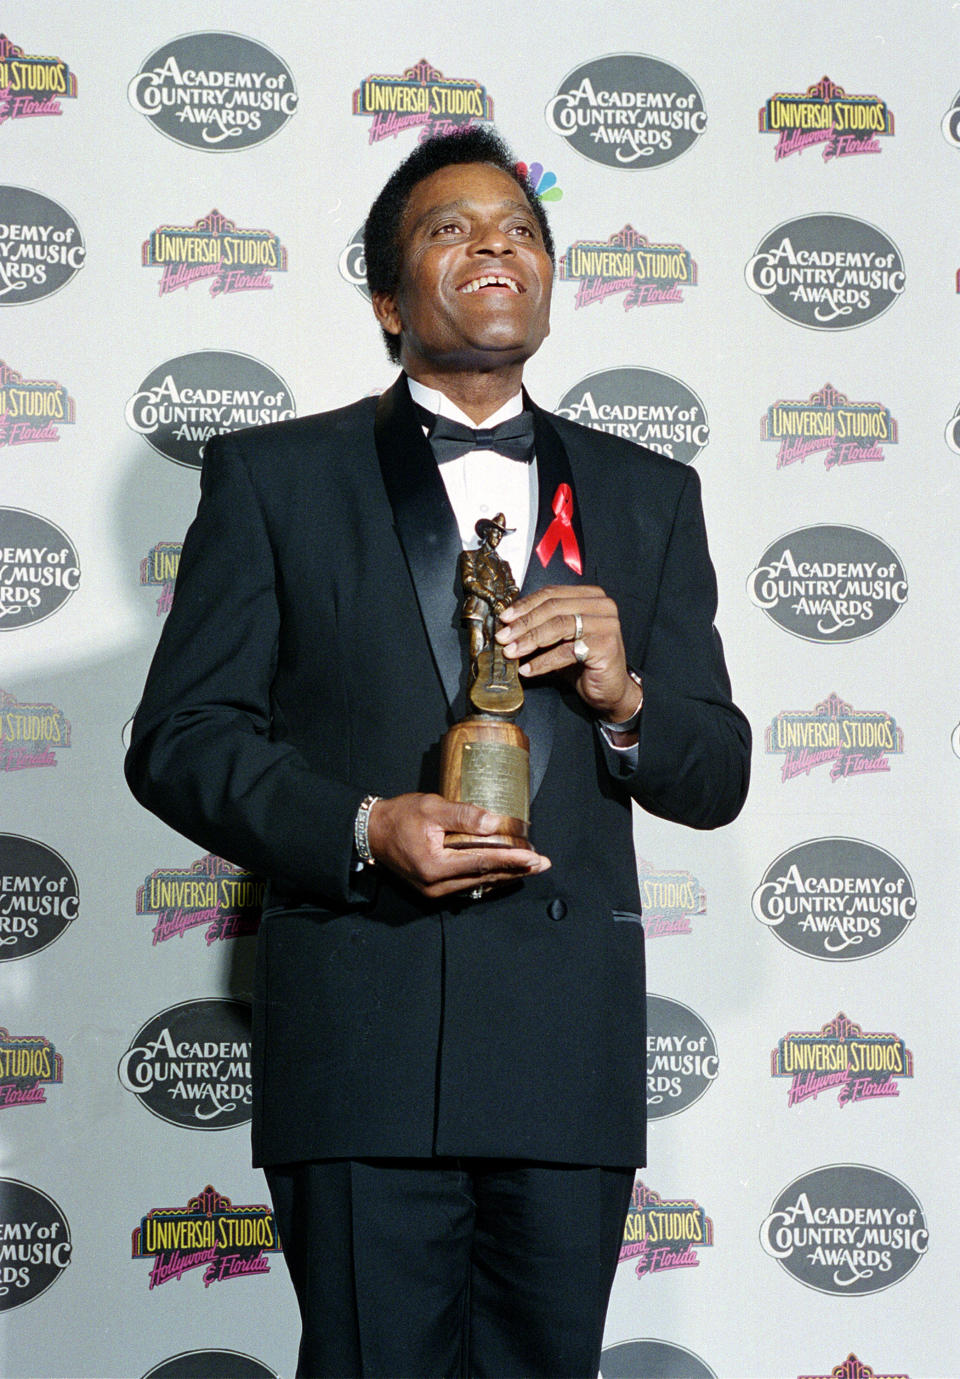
450,1268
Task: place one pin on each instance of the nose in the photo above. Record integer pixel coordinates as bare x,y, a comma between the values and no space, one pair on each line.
492,240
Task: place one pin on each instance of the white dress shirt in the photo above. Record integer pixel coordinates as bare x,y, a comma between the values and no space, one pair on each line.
483,483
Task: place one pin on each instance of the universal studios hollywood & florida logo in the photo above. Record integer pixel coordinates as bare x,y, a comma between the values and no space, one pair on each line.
855,742
627,263
421,96
209,1233
842,1058
662,1234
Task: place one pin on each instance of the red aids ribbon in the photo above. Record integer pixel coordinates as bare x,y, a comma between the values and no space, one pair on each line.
560,532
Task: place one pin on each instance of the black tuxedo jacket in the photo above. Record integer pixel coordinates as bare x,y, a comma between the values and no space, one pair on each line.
313,656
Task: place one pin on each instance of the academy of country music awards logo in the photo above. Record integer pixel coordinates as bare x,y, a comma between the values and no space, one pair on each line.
828,424
641,405
854,742
184,401
682,1059
27,1062
209,1233
216,250
827,272
32,85
420,97
668,899
39,896
31,409
837,899
210,892
190,1065
824,114
645,273
950,124
654,1359
41,247
840,1057
661,1234
828,584
852,1368
846,1229
951,432
210,1364
627,110
30,734
214,91
158,569
39,568
35,1245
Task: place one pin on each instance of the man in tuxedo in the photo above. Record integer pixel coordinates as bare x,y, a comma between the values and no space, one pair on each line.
449,1053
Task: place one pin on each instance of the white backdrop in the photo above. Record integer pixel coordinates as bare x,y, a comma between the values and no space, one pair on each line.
739,1152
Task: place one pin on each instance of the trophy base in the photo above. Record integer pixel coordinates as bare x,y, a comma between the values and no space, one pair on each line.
486,761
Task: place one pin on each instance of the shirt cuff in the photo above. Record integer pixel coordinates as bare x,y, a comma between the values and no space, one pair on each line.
621,761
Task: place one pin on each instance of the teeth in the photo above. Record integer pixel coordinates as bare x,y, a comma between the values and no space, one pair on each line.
490,281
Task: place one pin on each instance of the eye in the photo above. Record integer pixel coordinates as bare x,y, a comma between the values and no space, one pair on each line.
525,231
447,227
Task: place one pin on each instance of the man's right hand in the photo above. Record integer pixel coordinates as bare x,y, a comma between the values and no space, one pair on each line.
408,834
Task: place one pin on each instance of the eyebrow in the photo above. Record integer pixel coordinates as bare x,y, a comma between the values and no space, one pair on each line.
461,204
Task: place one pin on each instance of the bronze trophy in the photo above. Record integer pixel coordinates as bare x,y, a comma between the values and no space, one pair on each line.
485,758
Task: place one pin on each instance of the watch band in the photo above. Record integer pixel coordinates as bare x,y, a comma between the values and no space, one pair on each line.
630,724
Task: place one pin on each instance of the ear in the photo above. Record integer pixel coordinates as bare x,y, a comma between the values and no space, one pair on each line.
387,313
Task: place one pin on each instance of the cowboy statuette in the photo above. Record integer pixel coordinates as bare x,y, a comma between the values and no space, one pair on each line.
485,758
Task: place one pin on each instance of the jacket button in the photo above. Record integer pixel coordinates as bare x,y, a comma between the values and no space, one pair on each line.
557,909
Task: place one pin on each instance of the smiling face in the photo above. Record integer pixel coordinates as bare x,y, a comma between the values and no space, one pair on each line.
475,279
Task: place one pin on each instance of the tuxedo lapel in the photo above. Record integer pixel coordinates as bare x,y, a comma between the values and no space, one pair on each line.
425,526
538,716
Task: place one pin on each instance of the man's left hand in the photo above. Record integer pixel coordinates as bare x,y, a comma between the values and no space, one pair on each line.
544,627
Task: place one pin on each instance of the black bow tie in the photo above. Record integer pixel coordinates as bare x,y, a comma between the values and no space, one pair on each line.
450,439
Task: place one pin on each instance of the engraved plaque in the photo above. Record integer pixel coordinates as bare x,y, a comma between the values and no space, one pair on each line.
496,775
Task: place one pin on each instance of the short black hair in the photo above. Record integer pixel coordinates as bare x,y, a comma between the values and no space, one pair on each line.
382,229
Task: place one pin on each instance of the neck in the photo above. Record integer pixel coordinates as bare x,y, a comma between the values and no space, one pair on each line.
477,394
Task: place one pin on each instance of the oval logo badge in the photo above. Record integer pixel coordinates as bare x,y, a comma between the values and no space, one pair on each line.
653,1360
641,405
41,247
190,1065
184,401
39,568
210,1364
829,584
36,1243
835,898
681,1057
827,272
628,110
846,1229
39,896
353,264
214,91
